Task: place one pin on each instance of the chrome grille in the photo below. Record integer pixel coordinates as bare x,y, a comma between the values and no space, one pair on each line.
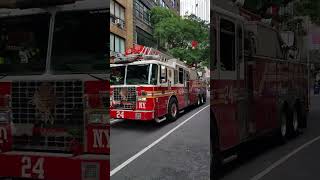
66,114
130,99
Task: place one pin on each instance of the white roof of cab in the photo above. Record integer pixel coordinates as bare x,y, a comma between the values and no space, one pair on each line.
171,63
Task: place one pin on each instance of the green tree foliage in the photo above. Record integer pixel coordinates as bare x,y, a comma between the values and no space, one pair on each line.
177,33
309,8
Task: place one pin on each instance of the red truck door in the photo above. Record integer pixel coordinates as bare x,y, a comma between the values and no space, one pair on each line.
225,83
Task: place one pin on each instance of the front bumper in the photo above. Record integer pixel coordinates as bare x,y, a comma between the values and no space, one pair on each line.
132,114
54,166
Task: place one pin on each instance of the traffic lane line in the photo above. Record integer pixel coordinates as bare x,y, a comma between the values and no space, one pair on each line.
284,159
127,162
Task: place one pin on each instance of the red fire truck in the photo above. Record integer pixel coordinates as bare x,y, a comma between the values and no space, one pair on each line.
255,89
54,121
149,85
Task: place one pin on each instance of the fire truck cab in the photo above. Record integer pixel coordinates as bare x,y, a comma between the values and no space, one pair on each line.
54,121
255,89
148,85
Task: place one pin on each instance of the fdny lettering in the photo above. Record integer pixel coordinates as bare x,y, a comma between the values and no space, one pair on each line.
98,135
3,135
142,105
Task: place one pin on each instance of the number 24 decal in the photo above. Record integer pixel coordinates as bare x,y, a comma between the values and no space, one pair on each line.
28,169
120,114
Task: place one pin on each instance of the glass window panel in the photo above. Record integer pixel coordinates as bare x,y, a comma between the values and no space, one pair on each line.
117,44
111,42
117,10
112,7
122,46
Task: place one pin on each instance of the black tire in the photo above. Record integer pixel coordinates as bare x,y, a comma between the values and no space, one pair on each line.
303,116
216,157
173,114
204,99
199,101
284,132
294,121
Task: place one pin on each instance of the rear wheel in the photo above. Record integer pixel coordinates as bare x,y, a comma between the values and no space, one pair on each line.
202,100
283,132
199,101
295,123
172,110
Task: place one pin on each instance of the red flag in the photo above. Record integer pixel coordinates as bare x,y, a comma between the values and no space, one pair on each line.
194,44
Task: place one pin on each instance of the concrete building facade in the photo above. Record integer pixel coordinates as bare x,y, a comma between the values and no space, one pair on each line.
141,23
121,25
130,22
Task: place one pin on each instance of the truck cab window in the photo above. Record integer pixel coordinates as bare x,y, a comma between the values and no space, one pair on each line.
227,45
176,78
240,41
23,44
163,74
154,75
180,76
77,46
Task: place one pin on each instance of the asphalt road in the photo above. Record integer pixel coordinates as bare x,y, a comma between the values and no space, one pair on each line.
182,153
297,159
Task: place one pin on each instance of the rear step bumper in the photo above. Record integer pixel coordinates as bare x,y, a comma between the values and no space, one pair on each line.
54,166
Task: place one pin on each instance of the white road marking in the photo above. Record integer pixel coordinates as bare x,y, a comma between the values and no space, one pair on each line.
114,121
282,160
124,164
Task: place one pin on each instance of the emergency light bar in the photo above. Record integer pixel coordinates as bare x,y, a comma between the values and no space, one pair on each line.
138,53
24,4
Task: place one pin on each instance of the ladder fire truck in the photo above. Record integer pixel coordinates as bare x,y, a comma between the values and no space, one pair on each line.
256,90
149,85
54,121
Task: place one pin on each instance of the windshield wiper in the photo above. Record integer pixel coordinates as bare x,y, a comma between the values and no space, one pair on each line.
3,75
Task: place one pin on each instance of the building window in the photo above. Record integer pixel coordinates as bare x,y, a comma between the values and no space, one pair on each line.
117,12
117,44
162,4
142,11
173,3
144,38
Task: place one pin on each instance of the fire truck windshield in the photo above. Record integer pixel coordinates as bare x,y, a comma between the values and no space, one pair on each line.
135,74
23,44
79,42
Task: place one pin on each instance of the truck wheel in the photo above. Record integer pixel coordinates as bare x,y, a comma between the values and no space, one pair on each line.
303,116
172,110
199,101
294,127
202,100
284,127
